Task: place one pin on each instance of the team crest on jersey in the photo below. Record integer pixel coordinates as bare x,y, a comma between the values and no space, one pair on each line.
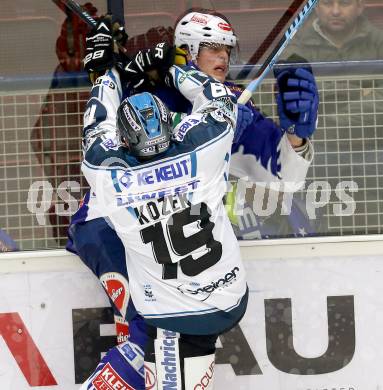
218,115
109,144
148,292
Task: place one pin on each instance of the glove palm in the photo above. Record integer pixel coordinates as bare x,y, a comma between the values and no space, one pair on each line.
297,101
141,68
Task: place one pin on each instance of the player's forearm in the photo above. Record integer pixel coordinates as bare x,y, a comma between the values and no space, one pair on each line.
205,93
188,80
101,109
295,163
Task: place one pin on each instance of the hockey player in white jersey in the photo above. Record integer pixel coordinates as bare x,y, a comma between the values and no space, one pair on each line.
294,166
162,191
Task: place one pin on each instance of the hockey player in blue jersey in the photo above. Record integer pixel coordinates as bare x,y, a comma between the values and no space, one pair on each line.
262,145
103,262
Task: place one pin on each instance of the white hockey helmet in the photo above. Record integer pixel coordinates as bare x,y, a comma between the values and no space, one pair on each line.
196,28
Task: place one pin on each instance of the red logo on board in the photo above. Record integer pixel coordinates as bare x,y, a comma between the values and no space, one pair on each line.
24,350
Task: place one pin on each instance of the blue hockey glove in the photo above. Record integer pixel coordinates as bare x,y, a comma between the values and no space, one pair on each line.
297,100
245,117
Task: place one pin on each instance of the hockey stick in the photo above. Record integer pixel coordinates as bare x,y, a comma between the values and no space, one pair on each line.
275,54
76,9
267,42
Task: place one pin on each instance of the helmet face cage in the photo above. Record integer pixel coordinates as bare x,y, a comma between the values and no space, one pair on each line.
144,123
211,31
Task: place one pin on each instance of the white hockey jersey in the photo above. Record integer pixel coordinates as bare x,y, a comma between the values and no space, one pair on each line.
182,256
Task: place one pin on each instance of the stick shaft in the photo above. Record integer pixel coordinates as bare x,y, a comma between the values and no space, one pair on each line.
74,7
275,54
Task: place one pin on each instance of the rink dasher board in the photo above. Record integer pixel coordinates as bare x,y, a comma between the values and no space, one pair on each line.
296,300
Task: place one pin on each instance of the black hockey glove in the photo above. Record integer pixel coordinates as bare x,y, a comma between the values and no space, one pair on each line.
102,51
150,65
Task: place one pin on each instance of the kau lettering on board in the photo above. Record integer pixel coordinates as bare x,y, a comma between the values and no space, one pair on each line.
89,344
279,340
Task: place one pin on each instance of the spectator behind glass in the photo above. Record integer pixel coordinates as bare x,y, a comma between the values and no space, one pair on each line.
340,32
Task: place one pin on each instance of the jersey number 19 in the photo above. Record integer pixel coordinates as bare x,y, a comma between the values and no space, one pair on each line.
182,245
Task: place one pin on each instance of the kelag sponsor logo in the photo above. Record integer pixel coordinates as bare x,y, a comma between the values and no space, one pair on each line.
161,174
207,290
134,354
126,180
